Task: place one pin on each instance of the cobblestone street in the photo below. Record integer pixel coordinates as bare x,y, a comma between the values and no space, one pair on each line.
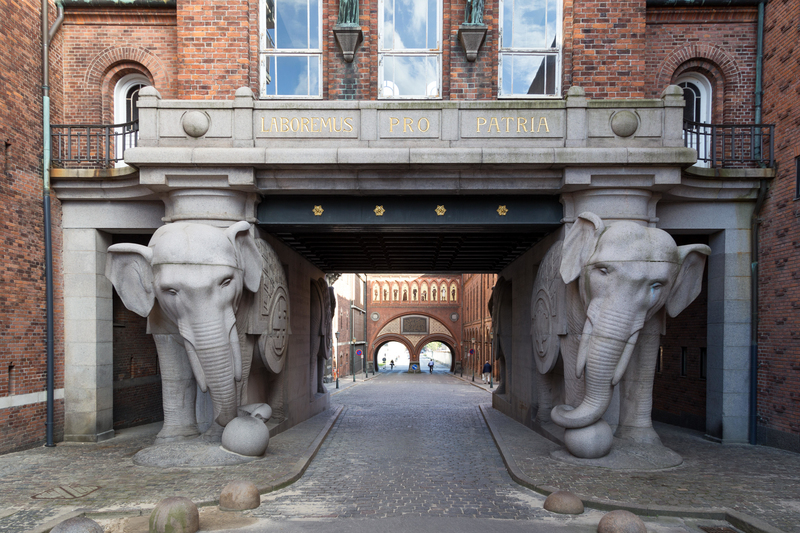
406,445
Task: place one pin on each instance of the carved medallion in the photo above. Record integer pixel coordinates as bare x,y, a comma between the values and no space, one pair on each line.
271,322
440,210
547,311
502,210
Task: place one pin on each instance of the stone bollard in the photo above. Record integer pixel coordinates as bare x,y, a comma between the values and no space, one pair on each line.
175,515
78,524
620,521
563,502
238,496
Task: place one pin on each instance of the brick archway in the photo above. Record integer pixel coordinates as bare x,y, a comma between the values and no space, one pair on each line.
450,342
450,337
722,70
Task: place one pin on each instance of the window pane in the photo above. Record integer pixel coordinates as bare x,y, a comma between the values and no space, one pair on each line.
293,76
388,24
508,23
529,25
269,23
291,26
410,76
313,24
411,24
552,26
528,74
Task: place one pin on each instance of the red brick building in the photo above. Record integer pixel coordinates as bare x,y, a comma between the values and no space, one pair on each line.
102,53
414,310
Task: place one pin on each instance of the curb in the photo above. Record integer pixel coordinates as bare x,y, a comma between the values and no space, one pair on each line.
297,472
473,383
746,523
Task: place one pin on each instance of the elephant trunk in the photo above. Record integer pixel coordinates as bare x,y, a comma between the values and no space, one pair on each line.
605,350
212,355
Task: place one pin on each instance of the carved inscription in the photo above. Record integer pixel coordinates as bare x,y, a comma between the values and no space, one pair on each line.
307,124
513,123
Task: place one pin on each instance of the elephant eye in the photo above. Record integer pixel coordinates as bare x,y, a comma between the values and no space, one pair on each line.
170,291
657,285
225,282
602,269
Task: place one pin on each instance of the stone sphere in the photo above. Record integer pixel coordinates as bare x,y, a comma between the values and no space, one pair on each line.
195,123
238,496
246,435
624,123
175,515
78,524
563,502
590,442
620,521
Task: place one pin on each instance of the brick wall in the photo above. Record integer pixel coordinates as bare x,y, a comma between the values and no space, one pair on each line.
213,42
779,273
717,43
607,48
477,320
102,46
22,300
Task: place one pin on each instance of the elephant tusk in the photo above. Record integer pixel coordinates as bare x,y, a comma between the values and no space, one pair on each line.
236,353
622,364
583,348
197,369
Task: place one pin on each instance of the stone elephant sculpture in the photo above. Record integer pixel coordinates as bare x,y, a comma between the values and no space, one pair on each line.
600,301
213,298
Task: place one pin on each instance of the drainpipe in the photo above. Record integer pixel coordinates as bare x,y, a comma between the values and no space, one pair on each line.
47,36
755,222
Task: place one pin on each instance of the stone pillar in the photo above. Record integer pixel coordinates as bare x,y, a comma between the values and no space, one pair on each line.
88,365
728,351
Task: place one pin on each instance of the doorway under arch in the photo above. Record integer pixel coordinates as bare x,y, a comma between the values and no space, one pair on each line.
440,352
392,350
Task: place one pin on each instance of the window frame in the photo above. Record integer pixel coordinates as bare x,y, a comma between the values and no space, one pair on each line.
557,52
265,53
410,52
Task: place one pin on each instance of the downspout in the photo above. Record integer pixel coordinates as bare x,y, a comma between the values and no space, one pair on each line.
47,36
755,222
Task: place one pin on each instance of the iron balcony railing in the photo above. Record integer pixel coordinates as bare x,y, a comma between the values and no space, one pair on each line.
731,145
92,146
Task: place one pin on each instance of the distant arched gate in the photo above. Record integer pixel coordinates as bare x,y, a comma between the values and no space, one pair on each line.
414,331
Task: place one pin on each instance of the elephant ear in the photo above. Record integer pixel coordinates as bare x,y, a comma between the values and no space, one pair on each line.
128,268
247,254
580,242
690,277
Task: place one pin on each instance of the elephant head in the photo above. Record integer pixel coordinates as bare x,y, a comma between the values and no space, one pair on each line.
196,273
626,274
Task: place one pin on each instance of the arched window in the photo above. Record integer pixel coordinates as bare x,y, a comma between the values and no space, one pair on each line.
698,96
126,95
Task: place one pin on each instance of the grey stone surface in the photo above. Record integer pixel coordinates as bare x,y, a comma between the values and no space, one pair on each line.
78,524
188,270
624,123
625,455
597,300
621,521
590,442
175,515
196,453
239,495
195,123
563,502
246,435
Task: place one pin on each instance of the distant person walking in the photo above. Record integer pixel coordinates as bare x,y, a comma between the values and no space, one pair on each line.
487,370
391,364
430,366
